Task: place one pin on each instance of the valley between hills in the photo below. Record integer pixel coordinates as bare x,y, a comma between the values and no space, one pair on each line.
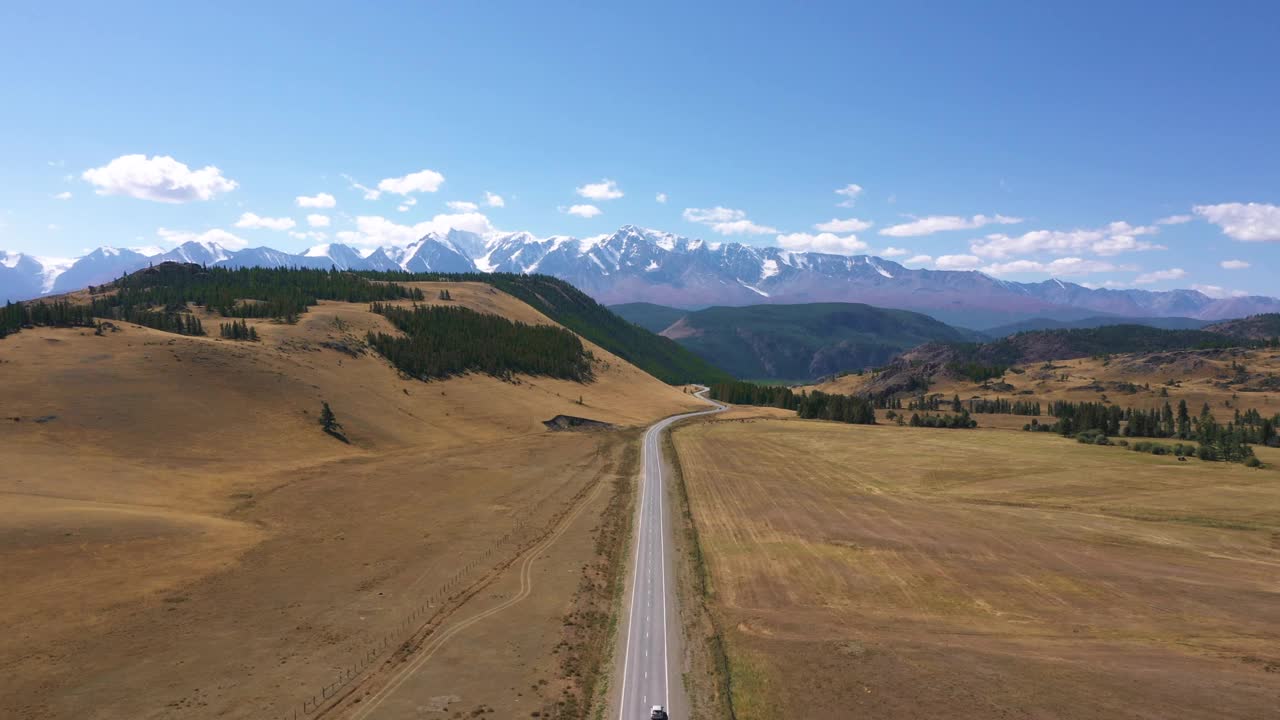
386,506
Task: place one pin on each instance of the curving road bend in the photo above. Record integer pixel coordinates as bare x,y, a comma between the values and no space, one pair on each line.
651,641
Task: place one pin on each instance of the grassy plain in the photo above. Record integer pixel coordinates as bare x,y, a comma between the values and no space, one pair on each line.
1225,379
180,539
892,572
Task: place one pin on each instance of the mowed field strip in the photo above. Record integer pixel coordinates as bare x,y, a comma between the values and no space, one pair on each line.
896,572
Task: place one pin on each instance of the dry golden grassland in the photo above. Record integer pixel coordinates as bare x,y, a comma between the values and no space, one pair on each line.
878,571
1197,376
181,540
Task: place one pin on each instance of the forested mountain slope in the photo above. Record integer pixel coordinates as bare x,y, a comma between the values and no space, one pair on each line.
796,342
651,317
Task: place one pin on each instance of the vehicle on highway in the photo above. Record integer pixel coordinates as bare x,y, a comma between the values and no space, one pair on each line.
658,713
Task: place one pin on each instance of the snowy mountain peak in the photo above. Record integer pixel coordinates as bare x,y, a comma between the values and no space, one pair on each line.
642,264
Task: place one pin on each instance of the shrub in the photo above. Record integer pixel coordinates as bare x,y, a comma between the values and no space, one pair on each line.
1207,452
1253,462
1090,436
1159,449
1102,440
1123,443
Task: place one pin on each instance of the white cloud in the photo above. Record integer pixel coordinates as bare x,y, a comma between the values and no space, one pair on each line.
707,216
216,236
54,227
403,208
742,227
64,195
321,200
255,222
1160,275
726,221
462,206
822,242
894,252
850,193
1061,266
843,226
421,181
661,197
377,231
1175,220
1250,222
313,235
941,223
369,193
493,199
604,190
958,262
1115,238
919,260
1234,264
1219,293
159,178
583,211
317,220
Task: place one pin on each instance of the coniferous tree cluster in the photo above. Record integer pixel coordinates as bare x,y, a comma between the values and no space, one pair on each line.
959,421
1000,406
444,295
440,341
813,405
158,297
60,313
926,402
1229,442
840,408
180,323
661,357
238,330
1079,417
1215,441
886,401
246,292
745,393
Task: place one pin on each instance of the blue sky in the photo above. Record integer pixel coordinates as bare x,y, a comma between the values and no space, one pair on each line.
1086,124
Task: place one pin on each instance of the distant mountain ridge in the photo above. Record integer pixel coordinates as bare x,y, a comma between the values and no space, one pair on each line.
1254,327
805,341
1164,323
921,366
639,265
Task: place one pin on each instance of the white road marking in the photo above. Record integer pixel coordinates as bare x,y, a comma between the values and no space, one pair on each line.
651,501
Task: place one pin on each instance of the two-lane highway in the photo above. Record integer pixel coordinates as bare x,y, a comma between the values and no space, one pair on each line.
646,663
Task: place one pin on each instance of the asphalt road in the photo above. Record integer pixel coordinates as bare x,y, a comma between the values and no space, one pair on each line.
652,644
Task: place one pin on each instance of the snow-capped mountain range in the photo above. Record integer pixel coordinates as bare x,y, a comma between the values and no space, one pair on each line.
640,265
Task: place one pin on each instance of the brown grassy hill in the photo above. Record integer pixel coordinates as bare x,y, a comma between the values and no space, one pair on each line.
1226,379
1254,327
180,538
